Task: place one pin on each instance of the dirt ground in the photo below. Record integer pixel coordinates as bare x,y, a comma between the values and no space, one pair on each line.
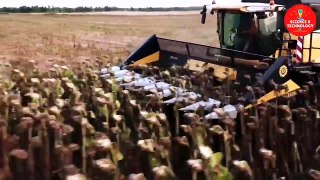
70,39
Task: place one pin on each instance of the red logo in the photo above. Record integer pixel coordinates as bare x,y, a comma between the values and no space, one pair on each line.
300,20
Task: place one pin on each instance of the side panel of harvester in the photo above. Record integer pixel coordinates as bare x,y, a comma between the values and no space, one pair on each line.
311,44
308,47
311,48
159,52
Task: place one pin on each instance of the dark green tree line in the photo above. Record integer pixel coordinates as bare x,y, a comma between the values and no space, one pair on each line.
51,9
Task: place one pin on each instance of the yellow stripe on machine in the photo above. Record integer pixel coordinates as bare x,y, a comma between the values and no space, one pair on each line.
220,72
291,88
149,59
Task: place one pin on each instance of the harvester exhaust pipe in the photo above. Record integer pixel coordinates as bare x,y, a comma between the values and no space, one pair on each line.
204,14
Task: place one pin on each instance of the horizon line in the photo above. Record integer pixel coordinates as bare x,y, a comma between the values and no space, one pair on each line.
101,7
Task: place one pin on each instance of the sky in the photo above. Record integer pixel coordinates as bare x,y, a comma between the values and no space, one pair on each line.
102,3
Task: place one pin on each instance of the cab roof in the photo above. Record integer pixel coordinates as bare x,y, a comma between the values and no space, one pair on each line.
246,7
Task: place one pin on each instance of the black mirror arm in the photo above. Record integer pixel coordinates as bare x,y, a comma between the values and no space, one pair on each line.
204,14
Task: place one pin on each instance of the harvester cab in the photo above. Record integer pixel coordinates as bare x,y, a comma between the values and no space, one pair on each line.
259,28
255,27
253,39
255,32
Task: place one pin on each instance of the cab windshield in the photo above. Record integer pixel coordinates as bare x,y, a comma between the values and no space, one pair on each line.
250,33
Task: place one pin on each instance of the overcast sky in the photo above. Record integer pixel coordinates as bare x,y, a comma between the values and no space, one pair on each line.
102,3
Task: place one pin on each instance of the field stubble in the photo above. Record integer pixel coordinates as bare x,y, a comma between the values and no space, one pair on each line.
70,39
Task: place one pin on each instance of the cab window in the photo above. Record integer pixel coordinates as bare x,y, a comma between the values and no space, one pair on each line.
237,31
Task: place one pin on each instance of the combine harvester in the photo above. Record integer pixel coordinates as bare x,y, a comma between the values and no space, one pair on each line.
274,53
264,137
270,53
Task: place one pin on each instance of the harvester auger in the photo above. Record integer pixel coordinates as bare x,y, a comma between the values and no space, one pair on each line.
253,40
